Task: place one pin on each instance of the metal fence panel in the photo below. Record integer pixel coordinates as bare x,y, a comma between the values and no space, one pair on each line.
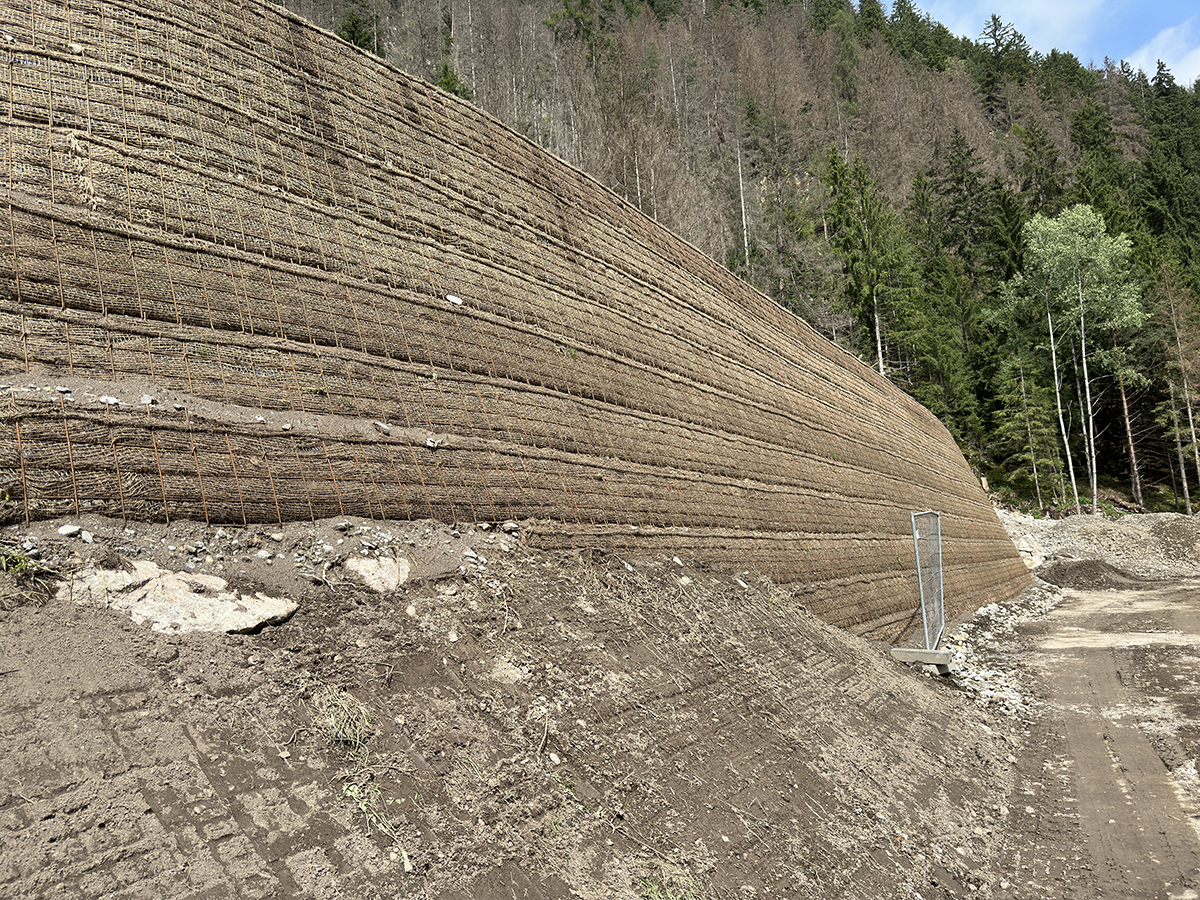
927,543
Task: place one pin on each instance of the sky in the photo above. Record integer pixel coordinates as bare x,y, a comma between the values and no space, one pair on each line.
1133,30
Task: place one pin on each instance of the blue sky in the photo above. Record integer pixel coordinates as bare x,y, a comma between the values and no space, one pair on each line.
1139,32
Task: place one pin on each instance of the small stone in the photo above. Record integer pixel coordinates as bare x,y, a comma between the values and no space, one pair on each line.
62,390
510,526
87,536
554,759
382,427
146,400
110,401
263,554
69,530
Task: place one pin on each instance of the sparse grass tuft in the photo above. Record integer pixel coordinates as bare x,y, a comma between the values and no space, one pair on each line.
341,719
346,724
23,580
669,888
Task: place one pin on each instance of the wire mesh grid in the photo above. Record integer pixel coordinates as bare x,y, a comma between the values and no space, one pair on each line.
927,544
276,279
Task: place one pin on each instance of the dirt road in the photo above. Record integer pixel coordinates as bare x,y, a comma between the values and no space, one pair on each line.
1117,745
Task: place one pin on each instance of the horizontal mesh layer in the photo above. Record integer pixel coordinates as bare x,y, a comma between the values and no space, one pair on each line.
252,274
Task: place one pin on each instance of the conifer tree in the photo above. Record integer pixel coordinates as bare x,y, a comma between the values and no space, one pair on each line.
875,250
1025,433
360,27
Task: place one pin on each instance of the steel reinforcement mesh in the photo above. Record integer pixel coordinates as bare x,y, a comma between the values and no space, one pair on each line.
252,274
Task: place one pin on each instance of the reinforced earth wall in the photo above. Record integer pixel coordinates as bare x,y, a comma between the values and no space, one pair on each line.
250,273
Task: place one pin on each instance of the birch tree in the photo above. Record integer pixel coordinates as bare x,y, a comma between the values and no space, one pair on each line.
1084,277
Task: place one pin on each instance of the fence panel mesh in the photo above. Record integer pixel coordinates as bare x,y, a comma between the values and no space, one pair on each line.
927,542
252,274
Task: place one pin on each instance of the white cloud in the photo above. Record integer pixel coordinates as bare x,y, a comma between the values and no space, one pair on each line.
1045,25
1178,47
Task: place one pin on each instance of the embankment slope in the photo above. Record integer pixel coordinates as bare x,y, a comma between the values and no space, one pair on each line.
252,274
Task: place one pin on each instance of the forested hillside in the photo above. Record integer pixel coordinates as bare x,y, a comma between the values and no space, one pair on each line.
1008,236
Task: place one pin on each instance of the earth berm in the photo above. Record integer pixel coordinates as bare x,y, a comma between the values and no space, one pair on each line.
456,715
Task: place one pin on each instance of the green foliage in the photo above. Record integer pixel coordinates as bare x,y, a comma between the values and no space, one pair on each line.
1167,189
360,27
876,254
1039,170
1084,279
1087,270
449,80
577,19
845,58
916,37
1063,79
780,252
15,562
871,21
826,12
23,580
1005,57
1026,439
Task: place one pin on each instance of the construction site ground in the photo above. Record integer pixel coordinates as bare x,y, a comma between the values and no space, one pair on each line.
502,722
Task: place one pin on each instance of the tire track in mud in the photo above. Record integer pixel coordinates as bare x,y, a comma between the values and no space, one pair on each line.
1106,661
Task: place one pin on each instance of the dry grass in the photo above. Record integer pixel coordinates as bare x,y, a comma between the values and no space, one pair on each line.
346,723
341,719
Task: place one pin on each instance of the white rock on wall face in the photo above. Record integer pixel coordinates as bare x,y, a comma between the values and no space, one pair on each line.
175,602
380,575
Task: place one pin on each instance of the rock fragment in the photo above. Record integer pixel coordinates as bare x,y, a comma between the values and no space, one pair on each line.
175,602
380,575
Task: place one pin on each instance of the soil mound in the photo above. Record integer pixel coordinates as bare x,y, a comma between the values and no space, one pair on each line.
506,722
1153,545
1083,574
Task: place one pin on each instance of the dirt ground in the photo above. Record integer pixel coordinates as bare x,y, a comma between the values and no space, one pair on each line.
512,723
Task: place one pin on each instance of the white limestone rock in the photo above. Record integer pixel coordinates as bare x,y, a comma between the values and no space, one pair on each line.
380,575
175,602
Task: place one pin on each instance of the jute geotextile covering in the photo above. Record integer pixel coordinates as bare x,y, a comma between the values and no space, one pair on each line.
252,274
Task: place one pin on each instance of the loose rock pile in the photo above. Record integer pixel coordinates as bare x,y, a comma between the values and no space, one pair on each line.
987,633
290,560
1154,545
